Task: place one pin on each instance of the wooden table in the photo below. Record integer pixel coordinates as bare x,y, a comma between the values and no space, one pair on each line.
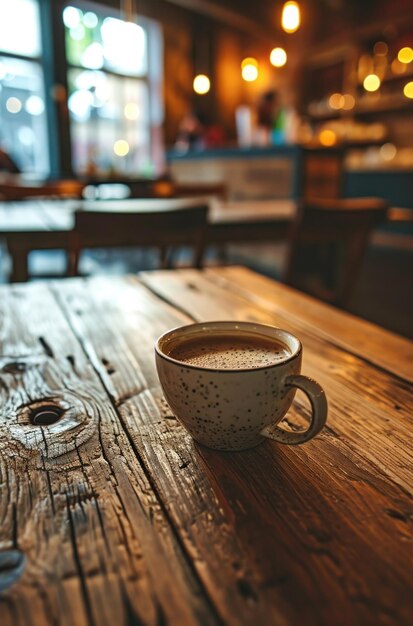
123,519
46,224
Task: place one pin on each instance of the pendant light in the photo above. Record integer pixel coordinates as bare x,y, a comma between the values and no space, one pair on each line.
249,69
290,17
201,59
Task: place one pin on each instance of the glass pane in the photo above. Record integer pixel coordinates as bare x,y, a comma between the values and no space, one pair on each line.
110,124
23,126
96,42
20,27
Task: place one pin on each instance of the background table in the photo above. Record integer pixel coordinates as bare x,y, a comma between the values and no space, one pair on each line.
125,520
46,224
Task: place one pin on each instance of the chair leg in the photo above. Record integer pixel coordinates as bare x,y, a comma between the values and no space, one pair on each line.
163,257
357,247
73,263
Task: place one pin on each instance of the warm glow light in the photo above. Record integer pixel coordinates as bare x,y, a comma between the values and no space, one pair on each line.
371,82
336,101
290,18
408,89
131,111
278,57
249,73
13,105
388,151
381,48
327,137
405,55
249,61
397,67
349,102
121,147
201,84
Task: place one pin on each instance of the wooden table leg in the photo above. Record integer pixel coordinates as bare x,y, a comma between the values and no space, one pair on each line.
20,270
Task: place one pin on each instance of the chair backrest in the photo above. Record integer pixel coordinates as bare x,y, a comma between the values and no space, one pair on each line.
165,227
327,242
322,173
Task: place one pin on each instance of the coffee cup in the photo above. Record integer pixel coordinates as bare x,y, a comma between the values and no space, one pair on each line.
231,383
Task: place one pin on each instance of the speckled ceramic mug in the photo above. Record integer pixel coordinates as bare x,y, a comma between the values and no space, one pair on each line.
236,409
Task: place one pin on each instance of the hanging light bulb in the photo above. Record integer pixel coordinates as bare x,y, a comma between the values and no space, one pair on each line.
290,17
278,57
201,84
249,69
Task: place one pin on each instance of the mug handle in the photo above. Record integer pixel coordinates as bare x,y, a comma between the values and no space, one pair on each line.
318,400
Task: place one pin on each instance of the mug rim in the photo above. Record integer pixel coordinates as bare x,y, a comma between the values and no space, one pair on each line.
164,335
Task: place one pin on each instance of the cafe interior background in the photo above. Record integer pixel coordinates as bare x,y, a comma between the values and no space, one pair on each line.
232,93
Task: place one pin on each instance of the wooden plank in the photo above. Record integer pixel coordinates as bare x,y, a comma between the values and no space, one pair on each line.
74,497
365,339
366,395
316,534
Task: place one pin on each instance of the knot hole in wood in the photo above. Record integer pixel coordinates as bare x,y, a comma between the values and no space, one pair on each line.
46,415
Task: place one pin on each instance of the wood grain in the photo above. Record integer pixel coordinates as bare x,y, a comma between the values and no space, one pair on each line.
318,534
74,497
368,341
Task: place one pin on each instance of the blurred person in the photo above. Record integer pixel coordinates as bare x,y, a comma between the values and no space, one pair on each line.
190,134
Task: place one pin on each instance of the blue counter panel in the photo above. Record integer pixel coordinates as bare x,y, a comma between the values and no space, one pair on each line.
396,187
235,152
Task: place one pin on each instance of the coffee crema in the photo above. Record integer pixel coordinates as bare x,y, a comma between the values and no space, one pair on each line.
232,351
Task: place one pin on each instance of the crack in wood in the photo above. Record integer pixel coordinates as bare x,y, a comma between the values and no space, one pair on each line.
46,346
77,560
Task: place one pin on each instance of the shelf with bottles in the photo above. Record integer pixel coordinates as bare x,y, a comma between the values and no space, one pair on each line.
365,106
378,78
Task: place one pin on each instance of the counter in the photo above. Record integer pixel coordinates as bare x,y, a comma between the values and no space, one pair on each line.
289,172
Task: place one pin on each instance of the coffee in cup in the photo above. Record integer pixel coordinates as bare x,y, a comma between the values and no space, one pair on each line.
230,383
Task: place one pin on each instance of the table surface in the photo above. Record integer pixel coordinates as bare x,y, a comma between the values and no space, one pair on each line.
123,519
58,215
47,224
42,216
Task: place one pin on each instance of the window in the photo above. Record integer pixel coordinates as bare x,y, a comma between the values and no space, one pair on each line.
23,121
114,93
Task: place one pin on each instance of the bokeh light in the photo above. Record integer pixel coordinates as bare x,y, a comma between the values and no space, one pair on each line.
131,111
121,147
371,82
201,84
249,69
34,105
388,151
349,102
408,89
327,137
336,101
290,17
13,105
278,57
405,55
72,17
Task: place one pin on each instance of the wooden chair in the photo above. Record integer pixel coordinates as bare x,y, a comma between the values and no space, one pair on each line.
322,173
327,242
165,226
